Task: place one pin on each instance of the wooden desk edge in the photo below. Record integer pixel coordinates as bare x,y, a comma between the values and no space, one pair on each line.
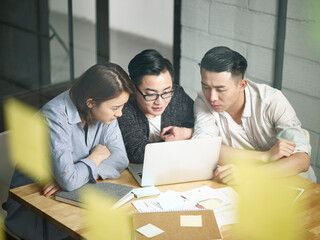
45,216
17,195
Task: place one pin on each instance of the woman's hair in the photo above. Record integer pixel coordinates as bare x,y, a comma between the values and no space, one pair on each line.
148,62
101,82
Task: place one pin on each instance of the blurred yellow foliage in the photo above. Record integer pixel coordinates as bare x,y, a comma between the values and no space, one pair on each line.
104,222
28,140
266,209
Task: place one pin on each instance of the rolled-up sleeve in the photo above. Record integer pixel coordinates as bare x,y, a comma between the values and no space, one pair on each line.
204,126
287,125
118,160
69,174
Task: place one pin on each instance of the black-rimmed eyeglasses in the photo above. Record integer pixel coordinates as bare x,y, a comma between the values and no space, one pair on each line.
153,97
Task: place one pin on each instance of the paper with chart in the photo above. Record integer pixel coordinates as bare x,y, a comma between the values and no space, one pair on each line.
222,201
28,141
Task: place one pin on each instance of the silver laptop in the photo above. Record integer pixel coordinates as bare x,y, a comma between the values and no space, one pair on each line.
178,161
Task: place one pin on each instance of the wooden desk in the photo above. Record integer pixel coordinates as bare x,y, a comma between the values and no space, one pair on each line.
70,219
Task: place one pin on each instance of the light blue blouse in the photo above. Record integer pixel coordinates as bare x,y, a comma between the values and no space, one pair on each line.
71,166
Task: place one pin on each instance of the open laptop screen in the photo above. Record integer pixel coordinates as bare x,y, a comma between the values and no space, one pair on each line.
178,161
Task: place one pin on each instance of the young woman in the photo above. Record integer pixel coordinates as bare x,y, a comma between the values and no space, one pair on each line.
161,110
86,142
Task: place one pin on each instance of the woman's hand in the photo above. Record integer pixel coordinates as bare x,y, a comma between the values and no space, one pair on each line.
99,153
51,188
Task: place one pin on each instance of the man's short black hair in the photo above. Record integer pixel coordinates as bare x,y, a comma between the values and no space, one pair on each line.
221,59
148,62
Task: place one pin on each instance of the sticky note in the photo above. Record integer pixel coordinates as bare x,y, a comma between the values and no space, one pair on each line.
145,191
103,221
212,203
191,221
28,140
150,230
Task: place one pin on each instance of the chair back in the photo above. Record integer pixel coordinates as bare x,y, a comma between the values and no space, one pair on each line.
310,174
6,170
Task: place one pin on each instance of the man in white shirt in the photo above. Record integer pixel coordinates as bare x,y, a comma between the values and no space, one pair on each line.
249,117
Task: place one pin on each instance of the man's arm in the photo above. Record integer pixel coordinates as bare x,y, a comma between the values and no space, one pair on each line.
293,163
178,122
287,125
173,133
282,148
204,126
286,166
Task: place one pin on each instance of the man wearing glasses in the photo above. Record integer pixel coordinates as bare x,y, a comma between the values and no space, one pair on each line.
161,110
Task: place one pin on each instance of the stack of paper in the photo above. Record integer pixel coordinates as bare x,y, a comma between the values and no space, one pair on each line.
222,201
167,201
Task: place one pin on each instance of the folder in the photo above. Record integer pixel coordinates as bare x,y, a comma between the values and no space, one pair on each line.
178,225
120,194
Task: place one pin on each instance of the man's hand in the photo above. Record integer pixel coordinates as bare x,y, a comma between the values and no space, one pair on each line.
172,133
51,188
283,148
225,174
99,153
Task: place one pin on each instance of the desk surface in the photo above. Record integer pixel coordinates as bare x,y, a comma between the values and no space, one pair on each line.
69,218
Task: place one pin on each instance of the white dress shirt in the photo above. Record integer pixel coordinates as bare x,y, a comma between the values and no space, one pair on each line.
267,117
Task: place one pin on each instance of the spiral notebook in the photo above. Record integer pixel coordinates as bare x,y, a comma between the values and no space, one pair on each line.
178,225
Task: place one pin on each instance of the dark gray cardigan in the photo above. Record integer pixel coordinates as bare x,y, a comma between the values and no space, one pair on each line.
134,124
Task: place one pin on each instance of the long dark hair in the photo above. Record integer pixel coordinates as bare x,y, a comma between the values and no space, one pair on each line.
101,82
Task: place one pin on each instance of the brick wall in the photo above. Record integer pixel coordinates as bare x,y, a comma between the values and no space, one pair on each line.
249,27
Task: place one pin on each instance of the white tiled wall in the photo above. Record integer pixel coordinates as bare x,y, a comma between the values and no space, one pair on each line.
249,27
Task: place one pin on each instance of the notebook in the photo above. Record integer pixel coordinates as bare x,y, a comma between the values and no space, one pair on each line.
177,225
178,161
120,194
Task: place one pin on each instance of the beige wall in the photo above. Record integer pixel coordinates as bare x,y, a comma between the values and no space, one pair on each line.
249,27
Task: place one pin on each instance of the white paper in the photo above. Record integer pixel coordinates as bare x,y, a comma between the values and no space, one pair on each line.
171,200
147,205
226,218
152,205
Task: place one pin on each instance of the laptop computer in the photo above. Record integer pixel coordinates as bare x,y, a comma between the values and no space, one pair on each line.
178,161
